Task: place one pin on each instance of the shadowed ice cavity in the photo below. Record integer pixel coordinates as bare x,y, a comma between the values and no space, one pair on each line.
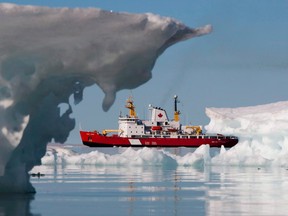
49,54
16,204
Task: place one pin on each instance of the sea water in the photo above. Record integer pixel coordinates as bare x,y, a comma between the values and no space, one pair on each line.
151,189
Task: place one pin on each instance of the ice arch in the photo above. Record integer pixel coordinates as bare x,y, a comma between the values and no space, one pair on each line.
48,54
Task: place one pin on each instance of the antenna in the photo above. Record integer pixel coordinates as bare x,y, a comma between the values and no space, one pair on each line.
175,102
131,93
176,112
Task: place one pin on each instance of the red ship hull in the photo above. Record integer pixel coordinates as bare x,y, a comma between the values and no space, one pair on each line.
95,139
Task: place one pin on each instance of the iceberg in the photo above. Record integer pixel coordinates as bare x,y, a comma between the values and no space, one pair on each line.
63,155
262,131
48,54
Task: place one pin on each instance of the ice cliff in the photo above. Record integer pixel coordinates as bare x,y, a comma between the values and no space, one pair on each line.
262,130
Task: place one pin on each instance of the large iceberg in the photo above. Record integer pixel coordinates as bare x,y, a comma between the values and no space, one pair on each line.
48,54
262,130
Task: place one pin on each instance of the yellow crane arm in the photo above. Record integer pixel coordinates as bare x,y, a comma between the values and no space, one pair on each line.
106,131
197,129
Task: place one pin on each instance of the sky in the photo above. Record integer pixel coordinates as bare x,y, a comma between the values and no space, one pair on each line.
243,62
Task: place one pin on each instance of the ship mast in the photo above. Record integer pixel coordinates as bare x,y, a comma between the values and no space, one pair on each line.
176,111
131,107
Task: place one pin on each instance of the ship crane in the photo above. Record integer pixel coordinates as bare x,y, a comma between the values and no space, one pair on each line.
196,129
106,131
131,107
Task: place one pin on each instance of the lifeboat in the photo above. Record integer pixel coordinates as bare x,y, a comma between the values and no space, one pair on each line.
156,128
172,130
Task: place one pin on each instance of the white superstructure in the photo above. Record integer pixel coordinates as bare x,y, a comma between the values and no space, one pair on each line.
132,126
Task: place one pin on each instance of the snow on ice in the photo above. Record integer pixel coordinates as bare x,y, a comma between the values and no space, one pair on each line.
262,130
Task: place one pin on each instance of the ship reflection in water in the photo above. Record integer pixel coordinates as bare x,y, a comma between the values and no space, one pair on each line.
157,190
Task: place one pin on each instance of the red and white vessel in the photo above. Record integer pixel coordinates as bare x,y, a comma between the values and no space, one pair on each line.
156,132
